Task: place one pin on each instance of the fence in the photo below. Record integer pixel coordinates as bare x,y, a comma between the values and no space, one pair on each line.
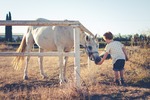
76,54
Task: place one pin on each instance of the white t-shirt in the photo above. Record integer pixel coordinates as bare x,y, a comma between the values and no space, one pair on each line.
114,48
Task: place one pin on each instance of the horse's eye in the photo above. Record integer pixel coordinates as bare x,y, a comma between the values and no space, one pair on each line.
97,46
90,47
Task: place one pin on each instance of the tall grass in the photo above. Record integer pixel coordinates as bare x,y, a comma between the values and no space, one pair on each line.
139,70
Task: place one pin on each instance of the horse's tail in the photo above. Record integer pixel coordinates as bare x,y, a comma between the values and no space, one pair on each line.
18,60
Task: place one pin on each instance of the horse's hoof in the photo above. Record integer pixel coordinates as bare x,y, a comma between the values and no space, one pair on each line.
60,83
45,77
65,80
25,78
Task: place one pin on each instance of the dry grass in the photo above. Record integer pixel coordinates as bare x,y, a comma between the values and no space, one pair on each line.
139,70
97,81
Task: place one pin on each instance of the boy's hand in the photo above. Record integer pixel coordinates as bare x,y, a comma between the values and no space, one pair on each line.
100,63
127,58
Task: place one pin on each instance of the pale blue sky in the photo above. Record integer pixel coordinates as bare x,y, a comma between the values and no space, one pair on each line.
99,16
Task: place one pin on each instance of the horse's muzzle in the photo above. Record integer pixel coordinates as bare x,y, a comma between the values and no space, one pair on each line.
97,59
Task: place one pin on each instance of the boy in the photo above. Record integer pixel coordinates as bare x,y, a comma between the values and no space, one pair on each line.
118,54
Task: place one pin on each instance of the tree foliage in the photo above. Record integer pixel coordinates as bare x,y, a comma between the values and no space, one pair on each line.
8,29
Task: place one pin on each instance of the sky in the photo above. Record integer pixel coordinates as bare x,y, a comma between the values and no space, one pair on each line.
98,16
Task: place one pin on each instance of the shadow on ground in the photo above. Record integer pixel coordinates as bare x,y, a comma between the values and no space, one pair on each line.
144,83
118,96
28,85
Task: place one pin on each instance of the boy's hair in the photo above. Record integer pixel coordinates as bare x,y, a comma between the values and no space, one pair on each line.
108,35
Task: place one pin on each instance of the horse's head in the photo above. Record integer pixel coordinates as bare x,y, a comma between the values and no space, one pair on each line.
91,46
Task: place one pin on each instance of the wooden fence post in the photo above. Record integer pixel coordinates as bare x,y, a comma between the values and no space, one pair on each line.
77,33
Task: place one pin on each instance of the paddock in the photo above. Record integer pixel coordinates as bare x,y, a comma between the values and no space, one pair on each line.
78,27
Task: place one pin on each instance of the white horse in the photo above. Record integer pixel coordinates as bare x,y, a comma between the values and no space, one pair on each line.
53,38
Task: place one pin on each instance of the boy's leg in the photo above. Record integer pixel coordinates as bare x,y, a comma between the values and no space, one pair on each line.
117,77
121,76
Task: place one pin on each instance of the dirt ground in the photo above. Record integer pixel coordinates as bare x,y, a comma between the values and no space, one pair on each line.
96,81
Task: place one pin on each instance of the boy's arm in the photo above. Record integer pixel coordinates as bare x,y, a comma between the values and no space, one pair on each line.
124,50
104,57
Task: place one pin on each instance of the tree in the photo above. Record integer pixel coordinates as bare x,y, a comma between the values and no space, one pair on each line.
8,29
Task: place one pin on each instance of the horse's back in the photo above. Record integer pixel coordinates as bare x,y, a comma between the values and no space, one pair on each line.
44,37
64,37
52,38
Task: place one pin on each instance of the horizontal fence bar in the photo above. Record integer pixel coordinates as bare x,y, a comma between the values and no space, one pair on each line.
85,29
38,23
44,23
38,54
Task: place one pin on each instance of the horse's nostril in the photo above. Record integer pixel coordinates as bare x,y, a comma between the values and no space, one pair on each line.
90,47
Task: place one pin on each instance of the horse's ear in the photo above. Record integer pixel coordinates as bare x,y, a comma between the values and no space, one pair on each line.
87,38
95,36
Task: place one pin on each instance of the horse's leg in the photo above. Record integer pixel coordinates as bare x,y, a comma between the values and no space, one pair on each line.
29,43
40,60
25,77
64,65
61,76
61,69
